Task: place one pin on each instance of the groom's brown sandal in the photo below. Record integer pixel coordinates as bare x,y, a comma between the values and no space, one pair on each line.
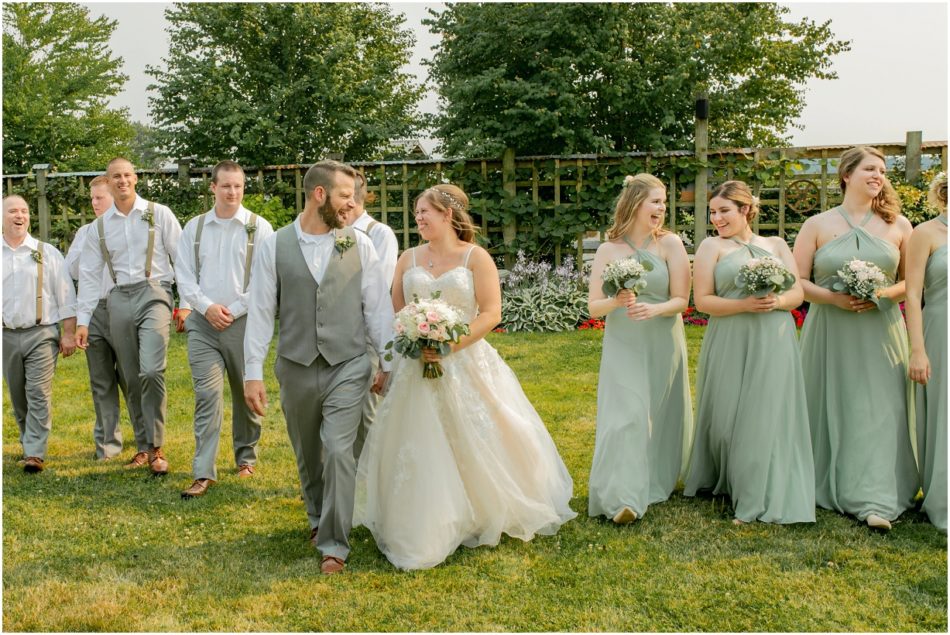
331,564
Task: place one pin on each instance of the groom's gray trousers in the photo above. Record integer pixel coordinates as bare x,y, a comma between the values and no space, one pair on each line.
323,407
211,354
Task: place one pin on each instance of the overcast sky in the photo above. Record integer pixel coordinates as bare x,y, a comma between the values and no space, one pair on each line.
893,79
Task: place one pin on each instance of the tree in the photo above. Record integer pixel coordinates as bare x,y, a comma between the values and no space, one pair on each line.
284,83
58,74
559,78
144,151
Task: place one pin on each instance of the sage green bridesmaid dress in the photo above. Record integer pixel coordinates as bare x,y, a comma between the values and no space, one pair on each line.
644,412
752,440
932,398
855,368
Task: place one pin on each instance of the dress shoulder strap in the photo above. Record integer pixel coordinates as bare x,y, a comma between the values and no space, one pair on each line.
467,254
413,250
864,222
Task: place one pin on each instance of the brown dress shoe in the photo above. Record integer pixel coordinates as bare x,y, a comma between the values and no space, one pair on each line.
33,464
331,564
244,471
157,462
198,488
139,460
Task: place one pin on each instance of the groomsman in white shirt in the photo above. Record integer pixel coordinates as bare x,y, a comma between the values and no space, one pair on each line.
387,248
105,376
213,272
136,242
37,294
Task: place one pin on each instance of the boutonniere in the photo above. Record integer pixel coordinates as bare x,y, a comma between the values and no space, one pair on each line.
36,255
249,229
148,218
343,243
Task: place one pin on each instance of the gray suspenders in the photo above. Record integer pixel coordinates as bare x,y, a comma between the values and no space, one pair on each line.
252,223
149,251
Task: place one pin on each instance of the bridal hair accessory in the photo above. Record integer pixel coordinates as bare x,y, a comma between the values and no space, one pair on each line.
447,199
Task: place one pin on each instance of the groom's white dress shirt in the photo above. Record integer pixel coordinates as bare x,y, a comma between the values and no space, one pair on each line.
317,251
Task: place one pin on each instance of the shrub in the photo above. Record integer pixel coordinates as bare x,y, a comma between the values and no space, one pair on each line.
539,297
270,208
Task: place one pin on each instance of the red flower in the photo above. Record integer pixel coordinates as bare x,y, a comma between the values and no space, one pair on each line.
592,323
499,329
175,314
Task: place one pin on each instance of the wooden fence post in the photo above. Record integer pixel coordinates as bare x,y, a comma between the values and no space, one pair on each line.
912,156
184,165
509,230
42,204
702,149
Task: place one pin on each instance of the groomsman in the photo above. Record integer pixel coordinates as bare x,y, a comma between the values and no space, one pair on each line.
105,376
213,272
330,289
37,293
387,248
136,241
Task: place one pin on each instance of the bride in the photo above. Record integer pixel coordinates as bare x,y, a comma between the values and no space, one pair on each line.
463,458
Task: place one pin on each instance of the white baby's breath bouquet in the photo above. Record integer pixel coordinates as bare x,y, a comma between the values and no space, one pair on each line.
862,279
761,276
423,324
626,273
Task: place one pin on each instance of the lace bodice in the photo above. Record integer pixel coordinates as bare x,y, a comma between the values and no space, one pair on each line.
457,287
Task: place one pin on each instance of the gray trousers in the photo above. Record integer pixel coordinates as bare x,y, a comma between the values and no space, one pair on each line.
105,381
322,405
139,318
211,354
370,403
29,361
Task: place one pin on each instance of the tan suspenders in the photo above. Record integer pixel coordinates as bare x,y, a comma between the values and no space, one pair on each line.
39,283
372,223
251,233
149,250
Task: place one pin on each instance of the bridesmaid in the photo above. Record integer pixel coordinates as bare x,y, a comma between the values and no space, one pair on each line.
644,416
854,353
927,275
752,439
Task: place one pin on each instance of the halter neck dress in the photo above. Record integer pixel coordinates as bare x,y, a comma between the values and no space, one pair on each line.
855,368
752,440
644,412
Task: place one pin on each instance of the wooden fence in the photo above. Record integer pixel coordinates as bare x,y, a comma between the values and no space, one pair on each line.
543,204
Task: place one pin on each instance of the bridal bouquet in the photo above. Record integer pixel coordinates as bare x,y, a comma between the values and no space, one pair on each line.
426,324
761,276
626,273
861,279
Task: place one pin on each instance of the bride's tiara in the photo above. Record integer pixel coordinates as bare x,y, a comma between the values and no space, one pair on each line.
447,199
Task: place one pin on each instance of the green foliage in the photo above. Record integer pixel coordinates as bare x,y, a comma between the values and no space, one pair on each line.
542,298
145,151
270,208
557,78
913,196
281,83
58,76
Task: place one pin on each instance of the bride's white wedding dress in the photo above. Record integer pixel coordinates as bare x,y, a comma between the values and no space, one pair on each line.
457,460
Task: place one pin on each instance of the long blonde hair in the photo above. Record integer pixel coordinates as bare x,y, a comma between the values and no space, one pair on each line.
636,189
450,199
886,204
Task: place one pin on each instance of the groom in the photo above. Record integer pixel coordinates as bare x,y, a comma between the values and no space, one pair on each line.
330,290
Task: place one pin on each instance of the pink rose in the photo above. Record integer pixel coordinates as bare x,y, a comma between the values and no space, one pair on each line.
424,327
432,316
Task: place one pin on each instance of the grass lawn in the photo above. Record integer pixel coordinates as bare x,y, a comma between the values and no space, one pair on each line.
91,547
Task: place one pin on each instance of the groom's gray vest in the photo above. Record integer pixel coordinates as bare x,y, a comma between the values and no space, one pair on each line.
324,319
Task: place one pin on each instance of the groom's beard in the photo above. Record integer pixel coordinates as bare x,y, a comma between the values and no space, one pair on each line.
330,215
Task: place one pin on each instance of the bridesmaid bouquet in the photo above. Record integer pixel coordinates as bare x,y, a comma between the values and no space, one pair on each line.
626,273
426,324
761,276
861,279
